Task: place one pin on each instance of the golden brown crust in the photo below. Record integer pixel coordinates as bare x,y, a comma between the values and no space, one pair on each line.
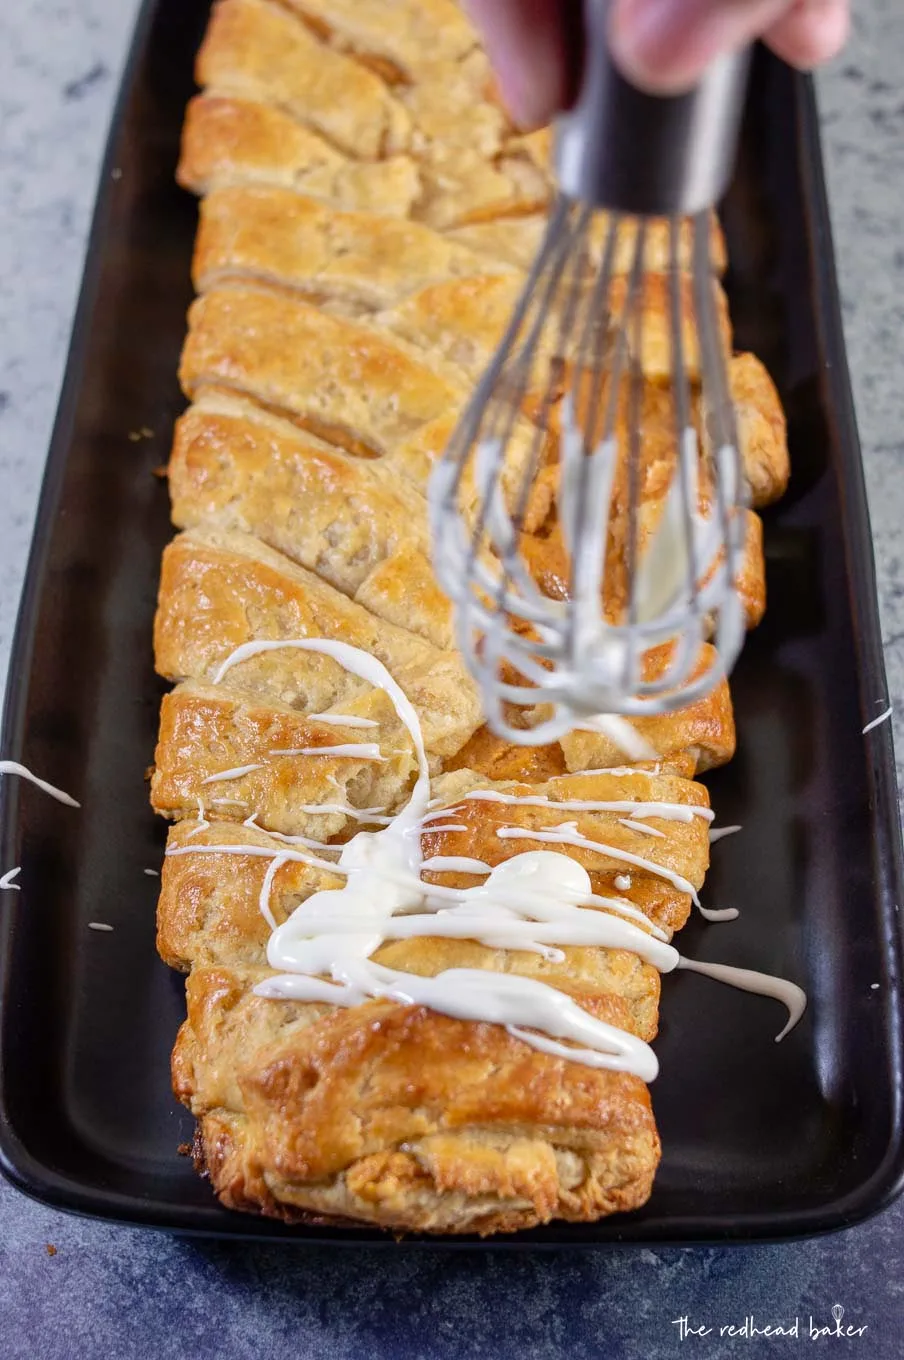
230,142
481,1180
234,466
338,378
258,51
363,260
762,429
403,36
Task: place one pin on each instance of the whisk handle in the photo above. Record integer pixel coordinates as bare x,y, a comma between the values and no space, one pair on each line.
651,155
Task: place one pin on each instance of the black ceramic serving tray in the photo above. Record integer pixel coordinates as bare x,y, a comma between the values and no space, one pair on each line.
759,1140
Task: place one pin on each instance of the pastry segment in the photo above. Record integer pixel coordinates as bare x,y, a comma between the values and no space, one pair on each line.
256,50
364,261
228,142
220,591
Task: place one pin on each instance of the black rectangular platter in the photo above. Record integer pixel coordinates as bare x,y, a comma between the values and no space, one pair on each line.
759,1140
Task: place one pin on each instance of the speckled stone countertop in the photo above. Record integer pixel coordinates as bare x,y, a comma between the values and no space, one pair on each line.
79,1289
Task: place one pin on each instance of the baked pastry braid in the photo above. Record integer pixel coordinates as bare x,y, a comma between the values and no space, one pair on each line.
370,214
471,167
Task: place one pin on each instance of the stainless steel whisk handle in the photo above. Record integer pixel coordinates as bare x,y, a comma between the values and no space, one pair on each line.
649,155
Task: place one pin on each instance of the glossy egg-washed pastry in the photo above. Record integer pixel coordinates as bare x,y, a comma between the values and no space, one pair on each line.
367,218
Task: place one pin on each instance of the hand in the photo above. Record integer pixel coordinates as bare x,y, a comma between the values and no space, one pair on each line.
661,45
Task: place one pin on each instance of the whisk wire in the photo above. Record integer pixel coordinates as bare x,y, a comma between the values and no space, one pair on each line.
576,346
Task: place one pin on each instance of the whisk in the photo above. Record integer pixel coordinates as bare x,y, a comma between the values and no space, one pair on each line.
583,597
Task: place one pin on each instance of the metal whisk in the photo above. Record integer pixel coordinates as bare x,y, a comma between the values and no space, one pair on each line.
587,514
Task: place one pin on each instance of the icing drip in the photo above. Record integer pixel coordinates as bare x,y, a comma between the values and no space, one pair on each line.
367,750
639,826
456,864
235,773
791,996
6,882
568,834
13,767
342,720
202,825
678,812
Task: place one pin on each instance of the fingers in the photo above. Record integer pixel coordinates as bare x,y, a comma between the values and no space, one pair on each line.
813,31
661,45
665,45
533,47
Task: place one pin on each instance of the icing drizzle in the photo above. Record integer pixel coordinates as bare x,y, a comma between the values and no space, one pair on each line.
535,901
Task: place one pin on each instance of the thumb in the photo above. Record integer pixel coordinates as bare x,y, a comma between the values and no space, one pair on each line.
665,45
533,46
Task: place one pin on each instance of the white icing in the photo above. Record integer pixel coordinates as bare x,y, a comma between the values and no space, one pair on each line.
342,720
6,882
716,833
202,825
622,882
536,901
263,900
763,984
621,733
367,750
568,834
511,1001
152,873
882,718
678,812
456,864
99,925
306,841
236,772
13,767
639,826
718,913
